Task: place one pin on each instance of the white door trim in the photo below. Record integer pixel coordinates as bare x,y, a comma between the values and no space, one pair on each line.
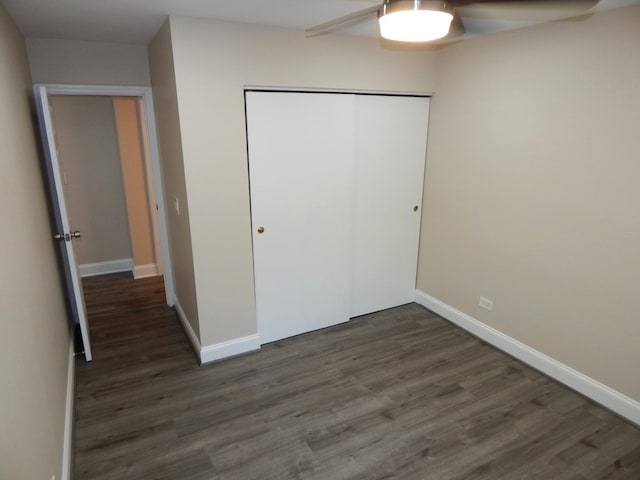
158,184
267,88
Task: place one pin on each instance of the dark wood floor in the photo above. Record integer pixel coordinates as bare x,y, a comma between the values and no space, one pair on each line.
400,394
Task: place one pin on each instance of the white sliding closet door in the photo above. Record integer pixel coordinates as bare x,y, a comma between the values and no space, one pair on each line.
391,140
301,178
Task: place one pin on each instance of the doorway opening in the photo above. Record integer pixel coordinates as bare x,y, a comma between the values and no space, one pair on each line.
105,171
106,187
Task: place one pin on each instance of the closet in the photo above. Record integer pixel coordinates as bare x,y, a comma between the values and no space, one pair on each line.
336,189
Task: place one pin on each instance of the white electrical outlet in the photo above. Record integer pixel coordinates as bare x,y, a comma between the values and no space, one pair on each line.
486,304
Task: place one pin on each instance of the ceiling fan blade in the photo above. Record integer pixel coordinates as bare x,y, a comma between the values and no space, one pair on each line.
343,21
579,6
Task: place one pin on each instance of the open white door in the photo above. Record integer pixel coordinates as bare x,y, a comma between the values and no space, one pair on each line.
63,234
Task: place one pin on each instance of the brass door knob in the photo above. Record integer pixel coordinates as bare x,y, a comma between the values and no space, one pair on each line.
260,229
415,209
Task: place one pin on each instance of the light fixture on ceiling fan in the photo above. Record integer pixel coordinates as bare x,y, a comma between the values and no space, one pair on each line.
439,20
415,20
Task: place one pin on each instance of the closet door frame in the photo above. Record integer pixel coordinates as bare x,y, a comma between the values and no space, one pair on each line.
255,221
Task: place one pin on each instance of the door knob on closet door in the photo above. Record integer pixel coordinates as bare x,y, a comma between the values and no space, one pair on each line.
76,234
415,208
260,229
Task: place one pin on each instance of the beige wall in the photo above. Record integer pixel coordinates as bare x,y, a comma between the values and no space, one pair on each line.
532,195
213,62
87,63
34,333
87,141
170,145
134,177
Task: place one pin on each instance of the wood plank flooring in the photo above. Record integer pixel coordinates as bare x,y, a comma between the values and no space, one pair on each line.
400,394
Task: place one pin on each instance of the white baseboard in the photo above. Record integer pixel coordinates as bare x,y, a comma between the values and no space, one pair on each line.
231,348
67,448
103,268
218,351
191,335
144,271
596,391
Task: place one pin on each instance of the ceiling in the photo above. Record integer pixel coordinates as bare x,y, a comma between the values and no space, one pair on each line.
137,21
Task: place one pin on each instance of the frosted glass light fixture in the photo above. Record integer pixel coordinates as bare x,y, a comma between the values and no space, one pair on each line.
415,20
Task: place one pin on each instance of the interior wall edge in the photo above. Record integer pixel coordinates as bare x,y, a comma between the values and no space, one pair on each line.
188,329
229,349
615,401
163,118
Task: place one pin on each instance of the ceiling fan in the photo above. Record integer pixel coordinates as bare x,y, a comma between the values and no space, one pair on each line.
429,20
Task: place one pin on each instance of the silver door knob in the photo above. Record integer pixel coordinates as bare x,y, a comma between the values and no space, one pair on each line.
67,236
